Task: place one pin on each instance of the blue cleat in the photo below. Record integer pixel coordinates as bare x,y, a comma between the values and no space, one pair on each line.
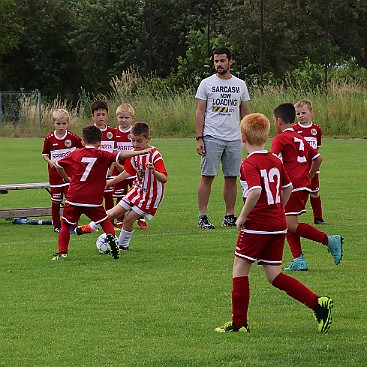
298,264
335,247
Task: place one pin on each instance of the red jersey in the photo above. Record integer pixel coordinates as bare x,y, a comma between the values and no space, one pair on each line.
263,170
295,153
312,133
57,148
88,179
108,139
122,144
147,191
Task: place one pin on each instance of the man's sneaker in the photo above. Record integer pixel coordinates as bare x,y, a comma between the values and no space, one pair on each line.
123,248
83,229
204,223
229,221
142,224
323,313
334,246
57,229
230,327
319,221
298,264
59,256
115,251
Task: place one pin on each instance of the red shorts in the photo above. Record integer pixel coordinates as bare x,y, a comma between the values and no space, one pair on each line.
315,183
58,193
296,204
72,213
266,249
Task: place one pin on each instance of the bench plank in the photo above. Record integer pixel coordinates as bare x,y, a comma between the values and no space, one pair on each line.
26,212
36,185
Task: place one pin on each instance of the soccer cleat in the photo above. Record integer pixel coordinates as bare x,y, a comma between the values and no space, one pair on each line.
204,223
323,313
83,229
142,224
319,221
57,229
115,251
72,230
59,256
229,221
298,264
123,248
230,327
335,247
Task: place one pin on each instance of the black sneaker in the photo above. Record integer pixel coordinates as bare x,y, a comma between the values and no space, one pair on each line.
229,221
319,221
204,223
323,313
230,327
115,251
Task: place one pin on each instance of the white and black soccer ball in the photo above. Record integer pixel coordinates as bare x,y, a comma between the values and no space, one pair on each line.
102,246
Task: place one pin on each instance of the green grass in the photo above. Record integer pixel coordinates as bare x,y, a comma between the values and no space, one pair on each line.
159,303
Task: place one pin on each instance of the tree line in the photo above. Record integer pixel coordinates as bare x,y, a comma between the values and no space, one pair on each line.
66,47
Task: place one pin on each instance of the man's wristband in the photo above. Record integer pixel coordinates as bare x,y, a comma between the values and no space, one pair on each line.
199,137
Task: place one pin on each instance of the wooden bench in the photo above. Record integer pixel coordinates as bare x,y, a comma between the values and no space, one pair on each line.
25,212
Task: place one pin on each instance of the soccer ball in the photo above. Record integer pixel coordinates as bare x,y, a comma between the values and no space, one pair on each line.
102,246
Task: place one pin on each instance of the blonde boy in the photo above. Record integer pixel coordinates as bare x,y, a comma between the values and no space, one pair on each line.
57,145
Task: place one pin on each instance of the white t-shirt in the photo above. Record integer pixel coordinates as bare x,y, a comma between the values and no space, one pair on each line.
222,115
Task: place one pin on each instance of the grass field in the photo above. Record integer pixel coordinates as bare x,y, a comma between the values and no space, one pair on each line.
159,303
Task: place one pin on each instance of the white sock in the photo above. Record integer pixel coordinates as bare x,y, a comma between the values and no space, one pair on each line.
94,226
125,237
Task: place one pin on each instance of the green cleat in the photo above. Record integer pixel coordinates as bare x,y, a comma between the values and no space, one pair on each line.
115,251
59,256
298,264
335,247
230,327
323,313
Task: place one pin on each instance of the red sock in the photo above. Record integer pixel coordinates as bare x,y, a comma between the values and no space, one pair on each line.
55,212
316,206
295,289
294,242
240,300
64,238
108,227
306,231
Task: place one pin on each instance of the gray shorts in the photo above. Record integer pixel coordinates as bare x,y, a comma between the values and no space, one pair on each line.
227,152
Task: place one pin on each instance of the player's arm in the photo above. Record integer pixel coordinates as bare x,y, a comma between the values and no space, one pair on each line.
315,166
199,122
244,110
122,176
250,202
286,193
160,176
48,160
62,173
133,153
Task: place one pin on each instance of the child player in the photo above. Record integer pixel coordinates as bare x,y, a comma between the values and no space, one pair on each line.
262,224
99,110
85,194
295,153
125,116
312,134
57,145
144,197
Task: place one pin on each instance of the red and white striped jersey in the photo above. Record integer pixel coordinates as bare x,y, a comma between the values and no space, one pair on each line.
312,133
87,183
57,148
295,153
147,192
263,170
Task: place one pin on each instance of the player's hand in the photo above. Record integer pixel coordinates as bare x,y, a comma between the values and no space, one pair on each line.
240,223
200,147
109,183
147,150
150,166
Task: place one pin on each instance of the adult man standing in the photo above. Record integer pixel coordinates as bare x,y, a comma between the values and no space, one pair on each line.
221,104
